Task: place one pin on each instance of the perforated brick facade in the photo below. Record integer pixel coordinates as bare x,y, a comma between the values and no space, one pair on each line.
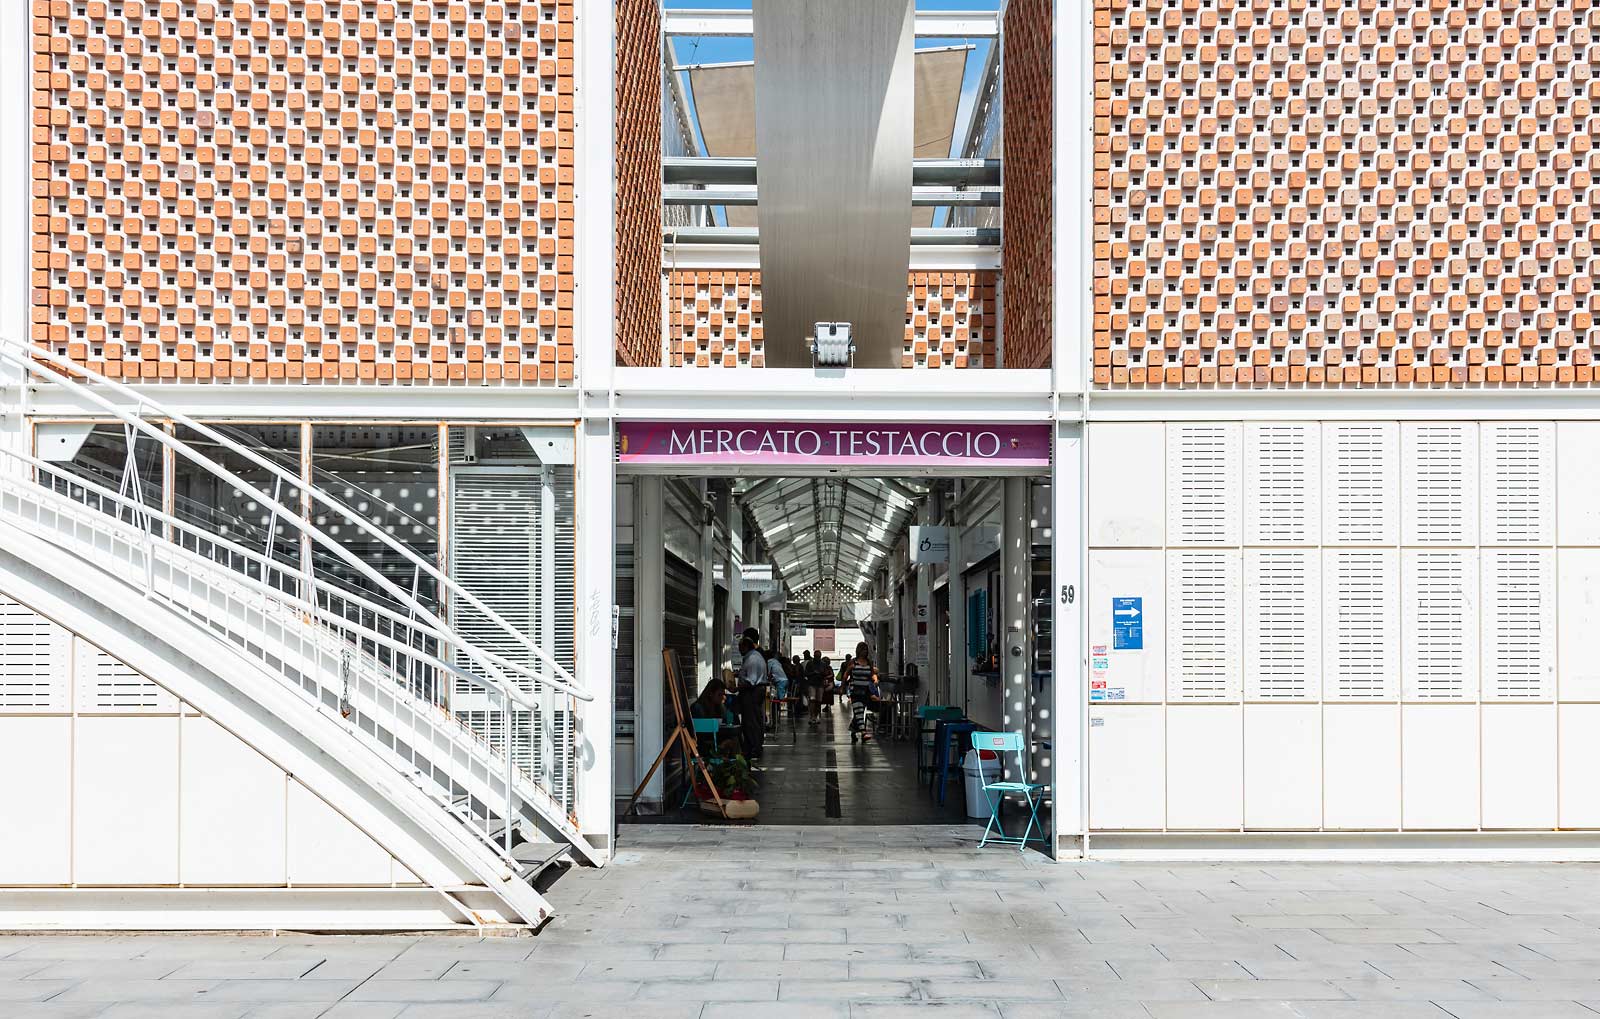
1345,193
1029,183
308,190
638,194
714,319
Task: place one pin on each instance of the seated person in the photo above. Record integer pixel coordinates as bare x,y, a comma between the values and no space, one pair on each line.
713,703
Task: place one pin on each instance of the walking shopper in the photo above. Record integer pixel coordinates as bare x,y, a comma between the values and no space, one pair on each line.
863,689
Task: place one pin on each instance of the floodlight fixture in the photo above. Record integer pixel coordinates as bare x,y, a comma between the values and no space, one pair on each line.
831,346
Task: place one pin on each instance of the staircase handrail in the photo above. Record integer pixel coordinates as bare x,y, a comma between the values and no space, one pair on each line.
281,595
27,356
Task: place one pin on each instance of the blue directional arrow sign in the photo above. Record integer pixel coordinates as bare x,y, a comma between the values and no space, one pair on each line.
1127,624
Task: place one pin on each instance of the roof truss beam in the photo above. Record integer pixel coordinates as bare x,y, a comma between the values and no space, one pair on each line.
929,24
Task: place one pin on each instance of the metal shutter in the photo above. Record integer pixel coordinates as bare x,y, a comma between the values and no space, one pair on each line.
1360,486
1203,504
1440,637
1203,625
1282,624
500,551
1283,485
1361,594
1439,489
1519,483
1519,624
35,655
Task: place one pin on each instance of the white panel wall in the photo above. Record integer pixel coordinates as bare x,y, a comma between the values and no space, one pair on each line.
36,800
1360,766
326,849
1127,509
1282,766
1127,767
1117,670
1363,625
125,801
113,782
1577,764
1439,759
1205,767
1519,766
234,810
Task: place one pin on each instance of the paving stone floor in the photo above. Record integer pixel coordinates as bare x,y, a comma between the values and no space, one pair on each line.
803,921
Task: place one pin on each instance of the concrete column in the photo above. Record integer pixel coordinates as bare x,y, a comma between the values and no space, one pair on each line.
649,637
596,587
706,661
733,568
955,690
1016,542
1065,769
937,678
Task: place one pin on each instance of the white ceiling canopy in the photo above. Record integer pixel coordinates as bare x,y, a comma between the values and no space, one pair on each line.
830,530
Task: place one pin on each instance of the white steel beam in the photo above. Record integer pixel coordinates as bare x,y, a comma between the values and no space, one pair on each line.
1072,225
595,200
1068,722
795,394
924,257
929,24
650,592
596,594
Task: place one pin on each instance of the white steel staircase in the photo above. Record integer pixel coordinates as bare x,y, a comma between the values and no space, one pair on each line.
365,657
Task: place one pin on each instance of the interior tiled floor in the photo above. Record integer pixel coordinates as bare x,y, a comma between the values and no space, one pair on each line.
816,775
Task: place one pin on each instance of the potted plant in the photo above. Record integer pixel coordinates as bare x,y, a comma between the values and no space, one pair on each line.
737,785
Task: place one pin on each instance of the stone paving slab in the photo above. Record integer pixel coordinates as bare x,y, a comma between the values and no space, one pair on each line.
703,922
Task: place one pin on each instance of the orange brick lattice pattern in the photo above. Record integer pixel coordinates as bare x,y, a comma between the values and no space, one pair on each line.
308,190
1029,177
638,194
715,320
1347,192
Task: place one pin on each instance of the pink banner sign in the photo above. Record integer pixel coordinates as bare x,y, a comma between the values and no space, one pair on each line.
787,443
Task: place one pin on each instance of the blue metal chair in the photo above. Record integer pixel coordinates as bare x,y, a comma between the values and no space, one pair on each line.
927,718
947,751
703,727
1002,743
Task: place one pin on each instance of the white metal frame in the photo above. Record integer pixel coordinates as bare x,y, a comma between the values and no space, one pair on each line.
929,24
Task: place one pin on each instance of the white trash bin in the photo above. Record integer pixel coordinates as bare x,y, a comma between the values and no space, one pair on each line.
979,767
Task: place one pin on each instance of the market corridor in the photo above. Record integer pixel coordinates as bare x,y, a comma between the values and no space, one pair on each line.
816,775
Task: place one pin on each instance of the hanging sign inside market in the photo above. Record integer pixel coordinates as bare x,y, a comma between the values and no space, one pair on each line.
794,444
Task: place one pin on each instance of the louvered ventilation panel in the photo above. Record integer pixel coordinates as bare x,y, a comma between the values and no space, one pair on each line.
106,686
1282,624
1440,635
1203,484
1519,483
1203,624
1360,483
497,552
1283,484
1439,485
1361,629
35,655
1519,619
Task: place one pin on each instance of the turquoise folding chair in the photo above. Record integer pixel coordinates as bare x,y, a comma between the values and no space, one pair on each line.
703,727
1002,743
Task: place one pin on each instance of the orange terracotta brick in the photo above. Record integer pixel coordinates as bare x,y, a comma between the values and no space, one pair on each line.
160,217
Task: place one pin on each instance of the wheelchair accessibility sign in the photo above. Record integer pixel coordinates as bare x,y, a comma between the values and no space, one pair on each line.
1127,624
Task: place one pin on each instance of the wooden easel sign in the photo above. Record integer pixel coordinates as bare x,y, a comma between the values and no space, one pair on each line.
682,735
